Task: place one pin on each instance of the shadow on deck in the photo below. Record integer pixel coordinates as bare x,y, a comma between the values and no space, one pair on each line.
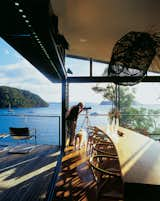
75,180
26,177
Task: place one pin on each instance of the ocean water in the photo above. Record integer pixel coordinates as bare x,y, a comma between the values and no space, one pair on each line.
46,121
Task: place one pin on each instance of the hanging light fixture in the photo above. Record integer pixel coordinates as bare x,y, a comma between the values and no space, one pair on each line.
131,57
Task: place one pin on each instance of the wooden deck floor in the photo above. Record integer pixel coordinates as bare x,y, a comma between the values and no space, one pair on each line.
75,178
26,177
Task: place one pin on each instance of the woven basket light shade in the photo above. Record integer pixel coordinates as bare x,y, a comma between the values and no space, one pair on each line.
132,56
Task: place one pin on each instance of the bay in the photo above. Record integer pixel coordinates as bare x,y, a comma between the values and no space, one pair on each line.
46,121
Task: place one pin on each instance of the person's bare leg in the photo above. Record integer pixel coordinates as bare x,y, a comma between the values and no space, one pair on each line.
72,133
75,142
80,141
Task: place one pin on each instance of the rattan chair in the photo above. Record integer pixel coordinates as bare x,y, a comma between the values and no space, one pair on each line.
105,148
95,136
106,171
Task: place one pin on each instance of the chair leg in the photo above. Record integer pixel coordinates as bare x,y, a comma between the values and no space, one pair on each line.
101,186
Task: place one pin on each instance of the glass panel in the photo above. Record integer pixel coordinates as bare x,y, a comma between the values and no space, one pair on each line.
46,127
153,74
99,69
77,67
140,108
17,73
19,108
100,106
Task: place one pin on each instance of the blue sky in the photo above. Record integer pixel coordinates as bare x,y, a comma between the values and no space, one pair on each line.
15,71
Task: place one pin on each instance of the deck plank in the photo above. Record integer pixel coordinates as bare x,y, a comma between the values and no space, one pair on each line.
26,177
75,180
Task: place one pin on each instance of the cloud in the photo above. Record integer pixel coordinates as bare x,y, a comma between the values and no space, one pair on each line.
23,75
83,92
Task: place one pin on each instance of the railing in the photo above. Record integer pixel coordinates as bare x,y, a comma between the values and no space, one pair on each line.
145,124
48,129
94,119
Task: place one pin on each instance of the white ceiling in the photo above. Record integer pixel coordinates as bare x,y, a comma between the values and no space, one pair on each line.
92,27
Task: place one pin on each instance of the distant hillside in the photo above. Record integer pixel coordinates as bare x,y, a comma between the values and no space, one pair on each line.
19,98
106,103
136,103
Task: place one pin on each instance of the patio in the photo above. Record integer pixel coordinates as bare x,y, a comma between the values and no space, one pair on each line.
27,176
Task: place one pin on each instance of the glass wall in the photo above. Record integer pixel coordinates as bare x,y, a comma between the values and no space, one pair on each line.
99,69
19,77
77,67
140,108
81,67
153,74
100,107
139,105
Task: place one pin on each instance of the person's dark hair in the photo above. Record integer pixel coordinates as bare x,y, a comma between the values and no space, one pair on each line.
80,104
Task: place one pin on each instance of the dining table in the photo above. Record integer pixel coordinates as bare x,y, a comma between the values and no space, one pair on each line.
139,158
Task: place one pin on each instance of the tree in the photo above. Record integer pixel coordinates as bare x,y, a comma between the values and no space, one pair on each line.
130,116
109,91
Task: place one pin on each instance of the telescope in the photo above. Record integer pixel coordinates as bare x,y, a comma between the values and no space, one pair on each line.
87,108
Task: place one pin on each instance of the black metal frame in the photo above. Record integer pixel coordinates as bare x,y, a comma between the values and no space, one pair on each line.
64,109
96,79
109,79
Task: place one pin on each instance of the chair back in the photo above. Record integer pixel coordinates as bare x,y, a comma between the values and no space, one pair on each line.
107,174
19,131
106,148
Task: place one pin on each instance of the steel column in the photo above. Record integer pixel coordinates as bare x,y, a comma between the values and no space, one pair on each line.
64,109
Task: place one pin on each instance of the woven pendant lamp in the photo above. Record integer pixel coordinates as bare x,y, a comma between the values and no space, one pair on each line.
131,57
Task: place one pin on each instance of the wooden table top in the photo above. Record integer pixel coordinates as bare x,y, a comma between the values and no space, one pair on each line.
139,156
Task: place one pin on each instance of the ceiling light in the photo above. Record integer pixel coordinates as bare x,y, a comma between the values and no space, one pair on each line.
83,40
20,10
16,4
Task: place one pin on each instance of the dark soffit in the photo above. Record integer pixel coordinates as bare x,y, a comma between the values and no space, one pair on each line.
26,25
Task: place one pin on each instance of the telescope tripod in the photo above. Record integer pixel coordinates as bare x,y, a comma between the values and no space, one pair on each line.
86,122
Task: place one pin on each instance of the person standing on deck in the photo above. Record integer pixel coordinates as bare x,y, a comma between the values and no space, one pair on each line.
71,117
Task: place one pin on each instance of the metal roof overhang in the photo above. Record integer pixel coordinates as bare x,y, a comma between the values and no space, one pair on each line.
27,26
